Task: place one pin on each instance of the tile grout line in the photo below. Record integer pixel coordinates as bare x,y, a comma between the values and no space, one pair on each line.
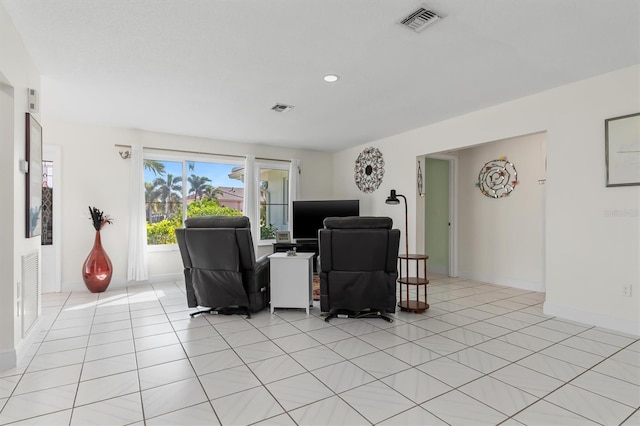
378,350
135,354
144,417
27,367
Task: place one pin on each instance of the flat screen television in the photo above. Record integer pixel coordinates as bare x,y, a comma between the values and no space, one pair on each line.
309,215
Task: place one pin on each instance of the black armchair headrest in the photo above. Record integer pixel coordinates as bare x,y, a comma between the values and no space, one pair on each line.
217,222
358,222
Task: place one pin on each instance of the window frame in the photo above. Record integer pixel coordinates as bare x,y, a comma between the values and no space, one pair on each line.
273,165
184,159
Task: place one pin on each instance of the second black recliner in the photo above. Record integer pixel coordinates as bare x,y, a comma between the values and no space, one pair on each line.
221,272
358,267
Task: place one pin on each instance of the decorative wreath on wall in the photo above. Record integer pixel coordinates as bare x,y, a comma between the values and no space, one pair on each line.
497,178
369,170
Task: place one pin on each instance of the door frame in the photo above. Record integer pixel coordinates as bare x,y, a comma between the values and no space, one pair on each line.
54,153
453,211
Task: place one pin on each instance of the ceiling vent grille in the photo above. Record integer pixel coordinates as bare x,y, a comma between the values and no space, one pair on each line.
420,19
281,108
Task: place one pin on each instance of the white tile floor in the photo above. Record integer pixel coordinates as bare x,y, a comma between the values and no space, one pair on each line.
482,354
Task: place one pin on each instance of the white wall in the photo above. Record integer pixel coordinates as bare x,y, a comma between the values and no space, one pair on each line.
17,73
94,174
501,239
589,252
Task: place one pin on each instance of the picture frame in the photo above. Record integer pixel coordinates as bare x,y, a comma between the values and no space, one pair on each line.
622,150
283,237
33,184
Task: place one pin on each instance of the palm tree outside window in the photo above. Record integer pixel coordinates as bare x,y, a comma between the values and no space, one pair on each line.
175,190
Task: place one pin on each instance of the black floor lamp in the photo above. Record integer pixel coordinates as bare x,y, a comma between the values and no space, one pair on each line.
418,281
393,199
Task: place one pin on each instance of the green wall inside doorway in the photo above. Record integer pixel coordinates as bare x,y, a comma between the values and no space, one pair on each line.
436,225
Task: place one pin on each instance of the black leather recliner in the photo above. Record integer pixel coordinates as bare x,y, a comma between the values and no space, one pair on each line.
358,267
220,268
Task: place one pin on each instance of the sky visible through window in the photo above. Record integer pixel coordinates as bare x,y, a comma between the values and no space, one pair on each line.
217,172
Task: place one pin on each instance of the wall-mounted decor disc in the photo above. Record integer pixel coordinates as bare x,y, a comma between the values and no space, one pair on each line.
497,178
369,170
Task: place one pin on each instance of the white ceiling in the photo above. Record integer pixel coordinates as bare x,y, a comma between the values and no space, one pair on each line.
215,68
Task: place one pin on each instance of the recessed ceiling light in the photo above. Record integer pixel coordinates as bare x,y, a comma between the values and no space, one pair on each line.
331,78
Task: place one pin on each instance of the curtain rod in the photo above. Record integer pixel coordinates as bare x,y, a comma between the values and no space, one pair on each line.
127,153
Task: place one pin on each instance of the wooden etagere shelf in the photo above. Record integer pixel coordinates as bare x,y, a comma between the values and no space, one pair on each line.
418,280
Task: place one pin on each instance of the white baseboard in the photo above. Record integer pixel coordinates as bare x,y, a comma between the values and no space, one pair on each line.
122,283
8,359
166,278
25,344
507,282
80,286
438,269
11,358
592,318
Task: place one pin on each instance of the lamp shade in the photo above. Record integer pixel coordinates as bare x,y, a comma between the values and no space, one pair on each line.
392,198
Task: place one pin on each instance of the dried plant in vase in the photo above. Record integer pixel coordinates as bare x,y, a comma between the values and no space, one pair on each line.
97,268
99,218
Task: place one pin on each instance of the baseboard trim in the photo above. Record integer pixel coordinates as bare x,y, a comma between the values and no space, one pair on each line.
12,358
8,359
122,283
507,282
438,269
592,318
166,278
80,286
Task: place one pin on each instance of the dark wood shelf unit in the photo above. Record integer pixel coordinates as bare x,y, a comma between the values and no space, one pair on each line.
407,280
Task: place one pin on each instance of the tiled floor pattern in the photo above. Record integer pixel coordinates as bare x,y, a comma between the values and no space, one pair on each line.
482,354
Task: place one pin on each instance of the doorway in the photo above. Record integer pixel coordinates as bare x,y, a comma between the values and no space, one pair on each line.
50,242
440,213
494,240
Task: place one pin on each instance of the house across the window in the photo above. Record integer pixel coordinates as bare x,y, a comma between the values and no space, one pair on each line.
205,186
274,202
231,197
210,188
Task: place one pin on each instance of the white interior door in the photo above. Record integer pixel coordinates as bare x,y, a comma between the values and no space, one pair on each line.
50,266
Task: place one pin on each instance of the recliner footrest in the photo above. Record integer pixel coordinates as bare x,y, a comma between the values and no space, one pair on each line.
341,313
240,310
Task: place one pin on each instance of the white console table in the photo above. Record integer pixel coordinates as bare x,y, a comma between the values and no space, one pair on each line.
291,280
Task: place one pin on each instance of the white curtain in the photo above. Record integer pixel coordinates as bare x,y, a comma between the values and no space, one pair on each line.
250,204
294,188
137,268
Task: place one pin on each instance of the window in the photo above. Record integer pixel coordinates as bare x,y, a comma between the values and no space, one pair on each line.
274,201
206,187
47,203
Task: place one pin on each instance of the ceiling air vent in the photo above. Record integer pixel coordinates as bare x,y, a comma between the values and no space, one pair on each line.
420,19
281,107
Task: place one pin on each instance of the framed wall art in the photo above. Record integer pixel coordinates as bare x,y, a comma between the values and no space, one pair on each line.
33,177
622,150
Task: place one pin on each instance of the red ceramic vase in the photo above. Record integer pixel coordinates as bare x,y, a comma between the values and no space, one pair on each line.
97,269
